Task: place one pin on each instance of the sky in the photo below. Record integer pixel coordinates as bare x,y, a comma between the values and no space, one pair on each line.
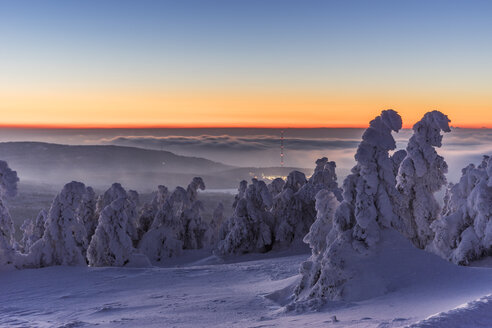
232,63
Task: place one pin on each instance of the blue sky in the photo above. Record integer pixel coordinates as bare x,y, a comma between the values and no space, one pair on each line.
411,48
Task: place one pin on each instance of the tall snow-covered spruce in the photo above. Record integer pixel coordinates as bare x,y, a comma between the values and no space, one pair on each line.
8,188
420,176
359,221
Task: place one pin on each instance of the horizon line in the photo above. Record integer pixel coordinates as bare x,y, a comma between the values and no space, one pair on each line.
71,126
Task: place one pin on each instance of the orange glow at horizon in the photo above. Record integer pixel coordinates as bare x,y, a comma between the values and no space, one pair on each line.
230,108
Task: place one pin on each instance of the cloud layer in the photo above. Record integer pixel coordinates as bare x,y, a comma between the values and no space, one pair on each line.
226,142
460,147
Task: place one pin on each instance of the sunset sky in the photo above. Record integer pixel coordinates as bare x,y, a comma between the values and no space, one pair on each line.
263,63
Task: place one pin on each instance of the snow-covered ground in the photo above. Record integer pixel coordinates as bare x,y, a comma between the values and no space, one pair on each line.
204,291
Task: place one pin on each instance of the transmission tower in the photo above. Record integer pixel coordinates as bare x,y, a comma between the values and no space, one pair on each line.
281,148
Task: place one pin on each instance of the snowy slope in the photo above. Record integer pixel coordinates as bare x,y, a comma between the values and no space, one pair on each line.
209,293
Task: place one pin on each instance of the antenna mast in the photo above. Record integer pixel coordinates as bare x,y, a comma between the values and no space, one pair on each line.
281,148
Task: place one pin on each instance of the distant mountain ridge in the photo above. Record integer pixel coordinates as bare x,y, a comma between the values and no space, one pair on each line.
100,165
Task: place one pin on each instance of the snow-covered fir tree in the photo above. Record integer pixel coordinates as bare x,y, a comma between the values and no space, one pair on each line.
149,210
276,186
420,176
65,239
116,191
294,207
194,226
250,228
464,233
177,224
162,241
224,226
290,215
326,204
366,211
212,233
8,188
111,245
32,231
86,213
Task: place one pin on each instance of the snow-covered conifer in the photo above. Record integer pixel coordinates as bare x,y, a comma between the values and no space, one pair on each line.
8,188
212,233
177,225
294,208
250,227
32,231
420,175
149,210
162,239
224,226
194,227
464,233
276,186
326,204
116,191
111,245
292,219
86,213
359,220
240,192
65,239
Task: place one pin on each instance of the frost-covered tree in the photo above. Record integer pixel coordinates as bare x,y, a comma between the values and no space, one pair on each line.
8,188
32,231
240,192
326,204
319,235
111,245
224,226
420,176
149,210
177,225
250,228
212,233
325,177
162,241
276,186
65,239
86,213
294,207
116,191
366,211
292,217
134,197
464,233
194,227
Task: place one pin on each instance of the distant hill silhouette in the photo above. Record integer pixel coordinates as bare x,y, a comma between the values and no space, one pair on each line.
100,165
